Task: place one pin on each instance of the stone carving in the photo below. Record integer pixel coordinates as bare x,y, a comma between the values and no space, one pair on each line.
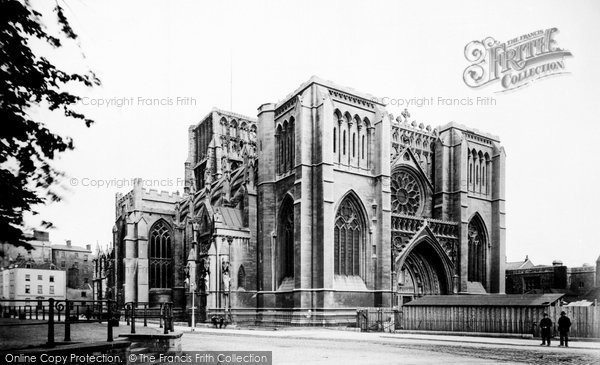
225,275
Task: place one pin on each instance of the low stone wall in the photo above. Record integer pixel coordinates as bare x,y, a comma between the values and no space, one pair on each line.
156,343
287,317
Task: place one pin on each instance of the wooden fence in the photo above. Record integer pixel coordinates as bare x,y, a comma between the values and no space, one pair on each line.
490,319
585,321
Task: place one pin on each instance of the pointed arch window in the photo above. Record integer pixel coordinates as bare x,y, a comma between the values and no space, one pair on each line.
363,147
477,251
241,277
285,236
470,172
334,139
161,256
349,239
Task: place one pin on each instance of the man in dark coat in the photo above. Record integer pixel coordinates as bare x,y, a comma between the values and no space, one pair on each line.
564,323
546,327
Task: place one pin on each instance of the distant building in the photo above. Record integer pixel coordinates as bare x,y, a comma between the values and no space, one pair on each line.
40,251
77,262
30,281
523,277
517,265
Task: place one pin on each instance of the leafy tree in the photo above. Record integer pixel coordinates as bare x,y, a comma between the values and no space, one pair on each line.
27,146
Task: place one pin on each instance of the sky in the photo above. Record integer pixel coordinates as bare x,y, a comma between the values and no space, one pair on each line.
237,55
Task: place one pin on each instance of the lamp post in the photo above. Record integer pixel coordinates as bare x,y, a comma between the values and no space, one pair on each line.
192,291
229,240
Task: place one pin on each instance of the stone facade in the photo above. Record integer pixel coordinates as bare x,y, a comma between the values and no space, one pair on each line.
324,203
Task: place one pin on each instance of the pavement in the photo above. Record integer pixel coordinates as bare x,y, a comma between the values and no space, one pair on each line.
326,333
315,345
19,334
325,346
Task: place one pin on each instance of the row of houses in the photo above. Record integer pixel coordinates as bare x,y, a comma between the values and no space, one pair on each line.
58,271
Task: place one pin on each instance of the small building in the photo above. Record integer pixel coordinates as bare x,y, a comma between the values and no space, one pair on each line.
30,281
84,292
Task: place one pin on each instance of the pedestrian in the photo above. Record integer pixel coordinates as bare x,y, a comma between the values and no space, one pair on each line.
546,327
564,323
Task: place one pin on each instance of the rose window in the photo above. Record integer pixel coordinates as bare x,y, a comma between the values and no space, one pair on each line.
406,193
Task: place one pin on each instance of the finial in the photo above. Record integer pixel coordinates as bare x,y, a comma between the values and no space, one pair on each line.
405,114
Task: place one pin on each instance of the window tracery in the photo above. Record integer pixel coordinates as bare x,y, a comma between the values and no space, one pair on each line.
406,193
161,257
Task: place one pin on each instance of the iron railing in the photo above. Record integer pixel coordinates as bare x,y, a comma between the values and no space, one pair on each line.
67,312
144,310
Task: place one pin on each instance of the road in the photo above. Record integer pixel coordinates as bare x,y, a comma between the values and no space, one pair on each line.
323,346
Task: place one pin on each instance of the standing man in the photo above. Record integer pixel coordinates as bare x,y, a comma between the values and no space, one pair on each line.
546,327
564,323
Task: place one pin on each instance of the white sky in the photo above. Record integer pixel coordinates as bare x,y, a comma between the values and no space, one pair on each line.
387,48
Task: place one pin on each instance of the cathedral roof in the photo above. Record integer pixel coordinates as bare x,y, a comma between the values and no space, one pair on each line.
232,217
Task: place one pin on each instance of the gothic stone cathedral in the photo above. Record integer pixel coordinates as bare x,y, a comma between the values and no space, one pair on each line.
323,204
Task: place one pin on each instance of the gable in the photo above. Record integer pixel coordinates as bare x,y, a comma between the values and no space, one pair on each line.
406,157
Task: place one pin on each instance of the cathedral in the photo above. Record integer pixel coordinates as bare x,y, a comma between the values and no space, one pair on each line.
322,204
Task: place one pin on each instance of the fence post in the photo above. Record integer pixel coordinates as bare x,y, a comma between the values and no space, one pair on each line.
166,326
67,321
51,322
132,318
171,318
100,312
162,312
109,329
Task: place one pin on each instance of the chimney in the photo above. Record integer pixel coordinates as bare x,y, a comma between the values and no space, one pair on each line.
88,247
557,263
68,243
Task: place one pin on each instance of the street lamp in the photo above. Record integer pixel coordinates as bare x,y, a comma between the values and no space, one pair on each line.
192,290
192,284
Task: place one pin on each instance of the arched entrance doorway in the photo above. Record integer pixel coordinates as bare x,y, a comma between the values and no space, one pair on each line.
423,270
